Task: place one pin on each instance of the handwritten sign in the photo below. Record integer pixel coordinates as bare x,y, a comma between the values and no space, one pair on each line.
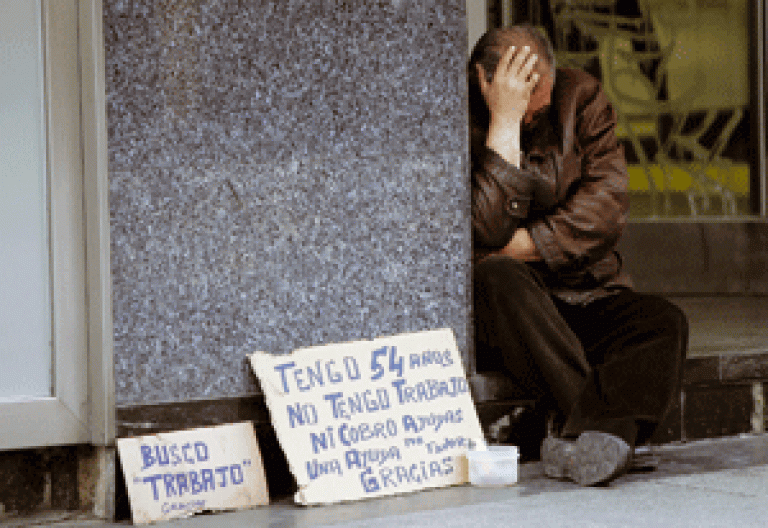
177,474
371,418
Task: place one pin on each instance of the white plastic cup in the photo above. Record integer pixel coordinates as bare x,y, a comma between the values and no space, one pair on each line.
496,466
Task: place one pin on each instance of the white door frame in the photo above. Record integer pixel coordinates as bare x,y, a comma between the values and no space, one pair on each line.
81,408
477,21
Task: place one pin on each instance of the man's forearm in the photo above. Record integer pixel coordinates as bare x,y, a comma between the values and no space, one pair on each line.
507,95
505,141
501,197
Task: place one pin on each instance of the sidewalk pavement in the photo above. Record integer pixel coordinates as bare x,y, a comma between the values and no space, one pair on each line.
719,482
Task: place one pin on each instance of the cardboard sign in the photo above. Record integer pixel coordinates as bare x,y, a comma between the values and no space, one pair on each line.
177,474
371,418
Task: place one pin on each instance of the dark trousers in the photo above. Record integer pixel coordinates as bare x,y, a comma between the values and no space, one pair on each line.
612,365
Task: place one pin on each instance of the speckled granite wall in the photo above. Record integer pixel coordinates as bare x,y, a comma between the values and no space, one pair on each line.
283,173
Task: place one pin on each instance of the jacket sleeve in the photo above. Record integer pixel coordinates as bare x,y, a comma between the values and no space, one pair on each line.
586,226
501,196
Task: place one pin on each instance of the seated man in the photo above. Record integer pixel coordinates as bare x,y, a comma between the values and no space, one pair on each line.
553,308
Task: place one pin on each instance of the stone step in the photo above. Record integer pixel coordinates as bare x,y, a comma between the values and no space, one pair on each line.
722,395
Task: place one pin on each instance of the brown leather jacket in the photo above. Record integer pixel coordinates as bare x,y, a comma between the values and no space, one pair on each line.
570,192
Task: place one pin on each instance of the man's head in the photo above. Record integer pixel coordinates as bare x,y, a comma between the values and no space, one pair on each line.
488,52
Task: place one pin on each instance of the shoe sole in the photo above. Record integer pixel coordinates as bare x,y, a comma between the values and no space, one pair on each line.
556,457
595,458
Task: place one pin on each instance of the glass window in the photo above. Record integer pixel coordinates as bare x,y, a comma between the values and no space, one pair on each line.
680,74
25,300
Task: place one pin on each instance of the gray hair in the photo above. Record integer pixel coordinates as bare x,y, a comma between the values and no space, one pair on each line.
492,45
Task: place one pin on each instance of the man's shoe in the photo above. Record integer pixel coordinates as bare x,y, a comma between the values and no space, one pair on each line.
594,458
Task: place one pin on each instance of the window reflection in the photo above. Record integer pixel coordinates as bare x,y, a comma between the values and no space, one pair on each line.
678,74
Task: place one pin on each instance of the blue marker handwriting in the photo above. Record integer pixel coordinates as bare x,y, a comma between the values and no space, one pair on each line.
395,363
194,482
431,421
413,441
328,372
316,468
363,458
399,475
164,455
430,357
349,435
193,505
346,406
321,374
430,389
447,443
